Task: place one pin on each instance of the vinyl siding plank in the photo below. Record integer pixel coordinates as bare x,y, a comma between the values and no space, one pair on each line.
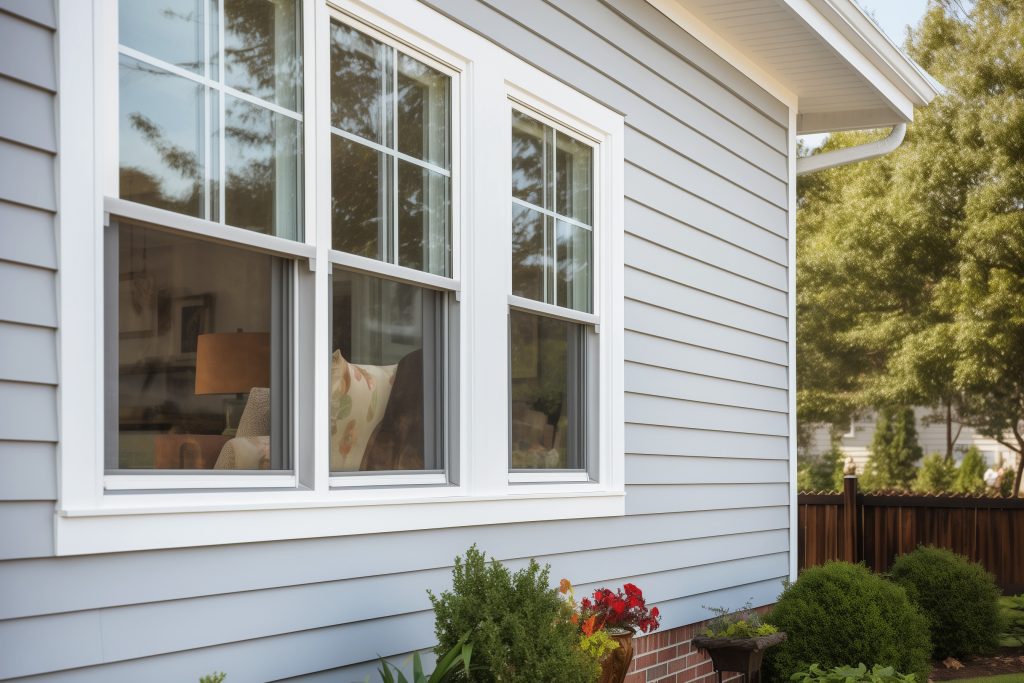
28,471
642,348
660,322
152,629
655,193
601,47
28,116
655,259
685,46
36,303
672,233
27,236
28,412
668,164
651,54
696,303
40,11
143,577
655,381
565,66
27,175
34,646
669,469
27,52
673,412
29,354
26,530
660,440
649,500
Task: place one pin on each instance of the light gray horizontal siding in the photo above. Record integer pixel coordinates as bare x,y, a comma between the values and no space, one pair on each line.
32,122
706,405
28,470
26,52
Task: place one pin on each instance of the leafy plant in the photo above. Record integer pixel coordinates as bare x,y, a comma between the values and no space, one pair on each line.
840,613
1013,619
851,674
445,670
970,476
743,623
960,599
936,474
594,641
519,626
215,677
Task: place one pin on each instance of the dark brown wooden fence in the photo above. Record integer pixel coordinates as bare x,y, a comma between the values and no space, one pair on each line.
875,529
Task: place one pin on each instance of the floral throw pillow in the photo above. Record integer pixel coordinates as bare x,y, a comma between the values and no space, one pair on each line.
359,395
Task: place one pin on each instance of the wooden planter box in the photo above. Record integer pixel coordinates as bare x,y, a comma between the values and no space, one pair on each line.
742,655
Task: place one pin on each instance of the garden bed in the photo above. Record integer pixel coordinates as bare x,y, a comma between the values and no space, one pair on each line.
1008,660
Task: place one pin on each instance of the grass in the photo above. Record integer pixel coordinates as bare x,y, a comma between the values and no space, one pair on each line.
1002,678
1013,611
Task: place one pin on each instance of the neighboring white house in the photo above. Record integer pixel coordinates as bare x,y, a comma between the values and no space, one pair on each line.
931,434
300,298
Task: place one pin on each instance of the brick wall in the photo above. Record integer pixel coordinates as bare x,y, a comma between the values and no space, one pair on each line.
669,657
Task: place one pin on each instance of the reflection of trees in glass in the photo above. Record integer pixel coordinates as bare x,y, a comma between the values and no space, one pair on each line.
142,186
261,50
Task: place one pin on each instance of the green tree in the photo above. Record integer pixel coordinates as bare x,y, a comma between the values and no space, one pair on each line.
936,475
894,450
970,476
822,473
911,267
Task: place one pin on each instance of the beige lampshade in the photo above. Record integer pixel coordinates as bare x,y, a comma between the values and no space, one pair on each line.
232,362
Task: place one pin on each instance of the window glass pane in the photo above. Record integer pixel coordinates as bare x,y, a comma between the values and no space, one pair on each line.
573,178
423,217
387,375
262,164
547,392
572,256
161,138
193,323
170,30
360,181
530,253
263,50
423,96
361,82
527,159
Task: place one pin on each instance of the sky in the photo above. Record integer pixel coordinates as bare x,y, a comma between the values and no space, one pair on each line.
894,16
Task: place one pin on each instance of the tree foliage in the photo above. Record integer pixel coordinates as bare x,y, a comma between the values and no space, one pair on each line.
970,476
911,267
936,475
895,451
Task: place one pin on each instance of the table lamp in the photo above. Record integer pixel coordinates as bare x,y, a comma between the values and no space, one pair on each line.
232,363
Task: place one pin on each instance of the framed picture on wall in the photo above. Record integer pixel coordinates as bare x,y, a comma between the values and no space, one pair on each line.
191,316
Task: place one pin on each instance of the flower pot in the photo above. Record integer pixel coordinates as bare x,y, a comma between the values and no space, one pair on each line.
616,663
743,655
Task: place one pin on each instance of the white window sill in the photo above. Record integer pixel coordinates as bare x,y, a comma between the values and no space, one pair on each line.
145,522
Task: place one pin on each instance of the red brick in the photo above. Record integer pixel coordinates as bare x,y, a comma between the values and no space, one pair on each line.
656,672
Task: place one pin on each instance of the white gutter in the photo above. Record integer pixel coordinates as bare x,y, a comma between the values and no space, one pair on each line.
851,155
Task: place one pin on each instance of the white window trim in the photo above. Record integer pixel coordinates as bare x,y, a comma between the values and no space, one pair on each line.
313,504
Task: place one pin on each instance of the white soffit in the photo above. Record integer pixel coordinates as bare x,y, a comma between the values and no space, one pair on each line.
843,70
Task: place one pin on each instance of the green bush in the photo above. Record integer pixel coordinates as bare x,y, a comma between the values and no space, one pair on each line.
517,623
935,475
970,477
852,674
456,659
960,599
841,613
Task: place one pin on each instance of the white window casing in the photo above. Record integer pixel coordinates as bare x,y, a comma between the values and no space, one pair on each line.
98,512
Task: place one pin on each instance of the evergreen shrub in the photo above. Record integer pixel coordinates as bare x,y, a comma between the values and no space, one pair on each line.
960,599
517,623
840,613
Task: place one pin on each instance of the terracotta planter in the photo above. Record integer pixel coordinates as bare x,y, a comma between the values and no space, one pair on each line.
616,663
743,655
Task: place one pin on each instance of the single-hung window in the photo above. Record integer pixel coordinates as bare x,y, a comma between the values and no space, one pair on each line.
391,179
198,323
552,255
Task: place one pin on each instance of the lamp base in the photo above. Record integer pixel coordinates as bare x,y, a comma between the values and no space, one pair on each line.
233,408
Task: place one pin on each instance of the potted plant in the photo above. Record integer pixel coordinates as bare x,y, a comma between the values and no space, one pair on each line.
608,621
736,641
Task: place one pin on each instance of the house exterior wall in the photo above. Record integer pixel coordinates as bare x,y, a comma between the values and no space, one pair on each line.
931,435
706,406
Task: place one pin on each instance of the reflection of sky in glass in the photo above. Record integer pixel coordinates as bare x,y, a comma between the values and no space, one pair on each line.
173,105
171,30
358,64
261,48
